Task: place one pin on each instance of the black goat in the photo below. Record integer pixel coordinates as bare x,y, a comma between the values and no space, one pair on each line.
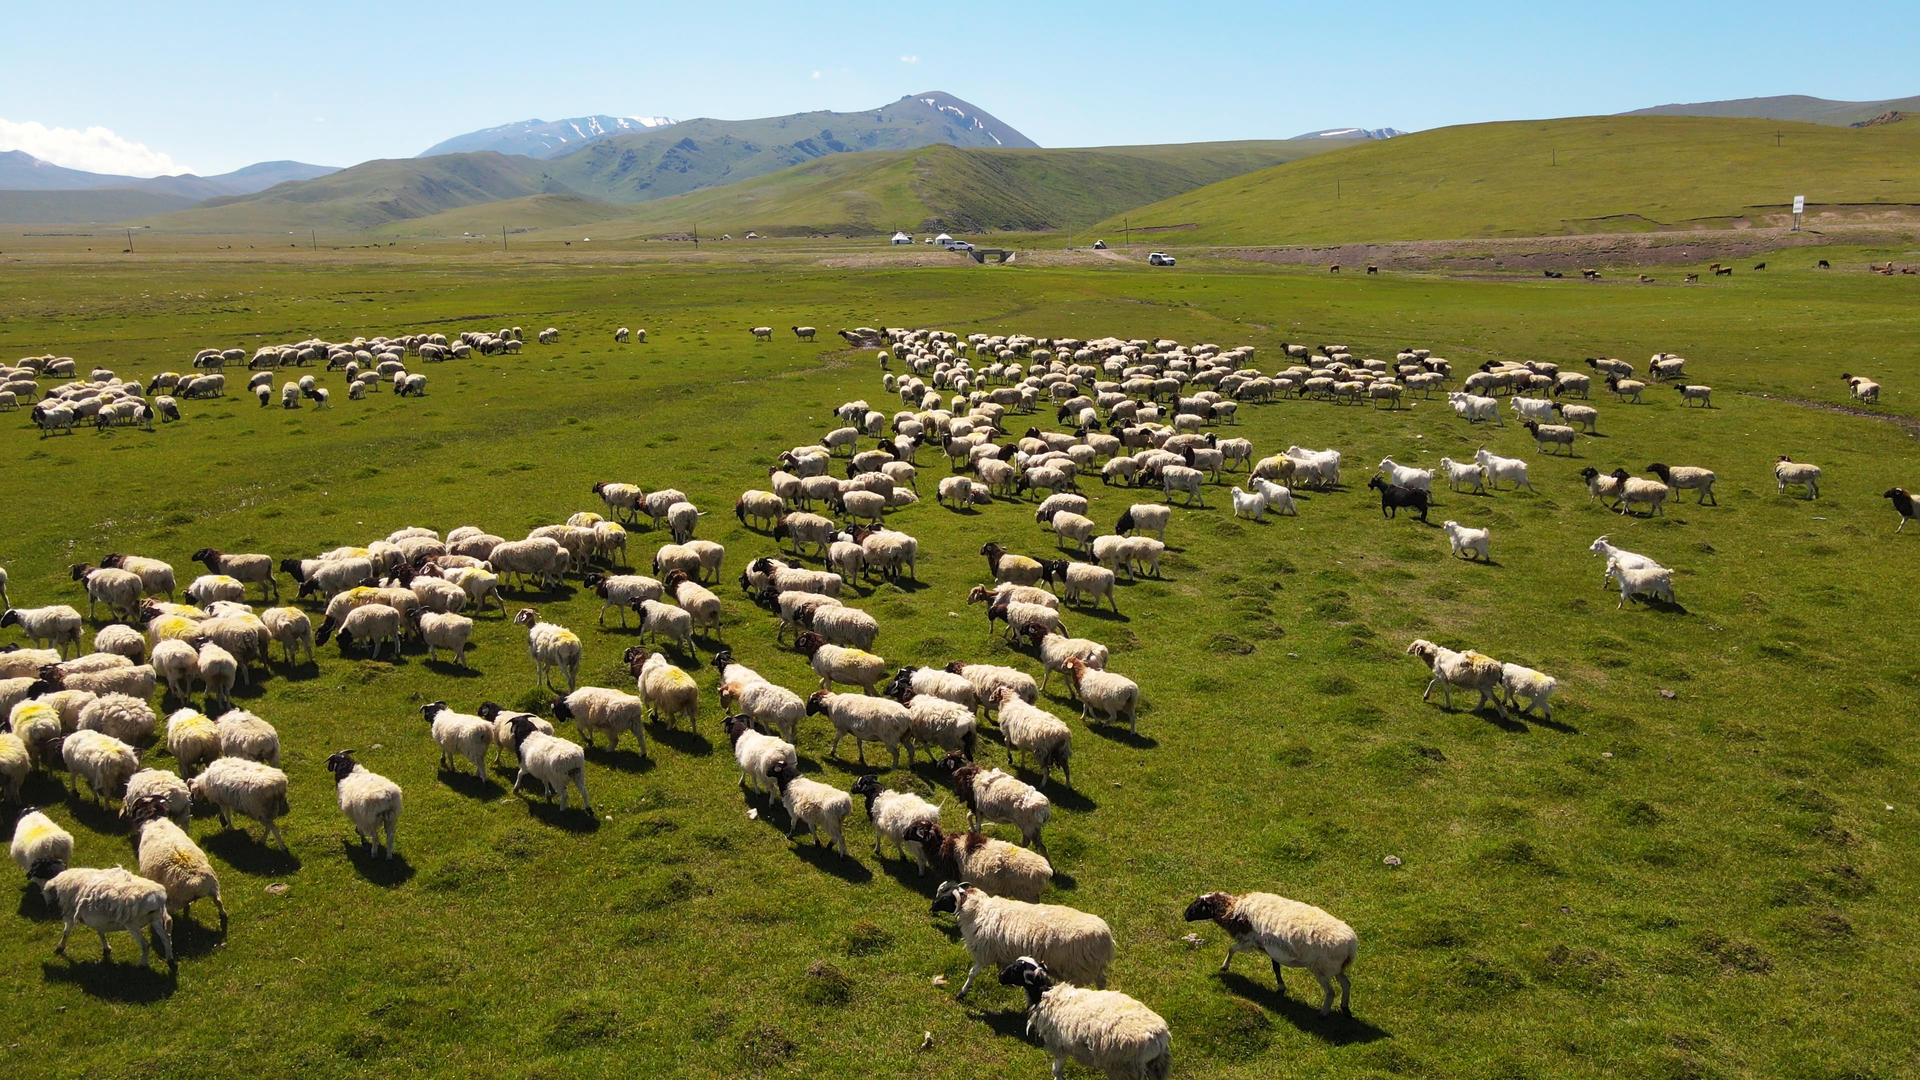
1394,496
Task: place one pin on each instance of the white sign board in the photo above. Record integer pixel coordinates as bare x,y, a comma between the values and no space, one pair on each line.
1799,204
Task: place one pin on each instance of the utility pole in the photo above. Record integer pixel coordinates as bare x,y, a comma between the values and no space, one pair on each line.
129,241
1776,138
1336,189
313,239
1553,158
1126,225
503,237
696,236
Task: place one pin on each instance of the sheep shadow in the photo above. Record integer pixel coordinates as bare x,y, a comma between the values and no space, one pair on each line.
1111,615
296,672
447,669
100,819
905,585
1061,795
1009,1022
906,873
1118,734
479,785
192,938
34,907
1670,607
371,864
681,742
626,759
572,818
242,851
1546,722
827,859
1338,1029
39,789
120,981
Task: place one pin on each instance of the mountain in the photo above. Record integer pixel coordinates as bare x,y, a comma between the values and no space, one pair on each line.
89,207
1535,178
35,192
923,190
374,193
542,138
1811,110
1352,133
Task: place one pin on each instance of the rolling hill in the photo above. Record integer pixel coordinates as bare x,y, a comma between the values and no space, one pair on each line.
1811,110
922,190
36,192
1532,178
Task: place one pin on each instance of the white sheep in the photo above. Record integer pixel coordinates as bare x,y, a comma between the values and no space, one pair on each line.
1459,474
554,761
40,848
1502,468
994,796
821,806
236,785
996,866
1469,670
218,670
370,801
244,735
601,709
171,858
1406,476
1473,408
1037,733
16,761
1524,682
176,796
892,814
1656,581
112,899
538,558
658,620
989,679
103,761
835,664
1291,933
765,702
1621,556
756,752
458,735
1691,393
193,739
1149,518
121,640
1539,410
1784,470
1102,1029
119,590
875,719
1115,696
1687,478
669,691
1635,491
208,588
998,930
53,627
1248,504
129,719
1549,435
1473,543
550,646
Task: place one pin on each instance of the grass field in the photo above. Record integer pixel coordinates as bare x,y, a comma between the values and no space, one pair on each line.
1702,867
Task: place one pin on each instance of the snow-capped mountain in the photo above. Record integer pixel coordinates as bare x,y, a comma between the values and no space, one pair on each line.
967,117
1352,133
545,138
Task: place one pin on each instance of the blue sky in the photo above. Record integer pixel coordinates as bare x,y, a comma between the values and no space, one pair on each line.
146,88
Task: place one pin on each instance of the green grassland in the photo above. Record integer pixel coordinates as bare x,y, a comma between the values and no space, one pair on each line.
1546,177
1702,867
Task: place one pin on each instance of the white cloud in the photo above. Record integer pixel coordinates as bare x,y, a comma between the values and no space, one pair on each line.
96,149
816,74
909,59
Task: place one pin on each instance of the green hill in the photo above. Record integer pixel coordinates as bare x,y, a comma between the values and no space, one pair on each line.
921,190
85,207
1532,178
1800,107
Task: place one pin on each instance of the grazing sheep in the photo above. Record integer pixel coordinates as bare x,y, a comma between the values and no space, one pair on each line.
1654,581
129,719
1115,696
244,735
156,577
835,664
550,646
1039,734
171,858
995,796
249,569
1524,682
444,631
103,761
176,797
1468,670
553,761
1291,933
998,930
1691,393
1687,478
1277,498
16,761
114,899
1902,505
218,669
999,868
40,848
879,719
1102,1029
53,627
600,709
802,527
1182,478
1648,493
1784,470
892,814
119,590
821,806
1153,517
1012,569
236,785
1470,542
669,691
370,624
370,801
756,752
192,739
1548,435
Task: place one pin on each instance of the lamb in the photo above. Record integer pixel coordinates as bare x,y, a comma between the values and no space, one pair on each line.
1687,478
459,735
1502,468
1649,493
370,801
1470,542
835,664
757,752
1691,393
1656,582
119,590
41,849
879,719
1533,685
192,739
250,569
1277,498
53,627
669,691
994,866
1784,470
1249,504
1902,505
171,858
1546,435
1459,474
989,679
1153,517
553,761
550,646
1102,1029
121,640
128,719
1403,476
822,807
1291,933
236,785
114,899
244,735
598,708
103,761
1115,696
998,930
1468,670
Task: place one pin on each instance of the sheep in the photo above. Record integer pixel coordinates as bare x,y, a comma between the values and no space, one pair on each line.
1546,435
1654,581
1539,410
1115,696
759,509
763,333
1053,504
1468,670
1406,477
596,708
835,664
103,761
121,640
840,625
119,590
1784,470
622,591
16,761
995,866
802,527
1585,416
1103,1029
372,624
550,646
1902,505
765,702
192,739
822,807
1502,468
1275,497
669,691
804,333
659,620
1008,568
40,848
370,801
1621,556
1185,479
129,719
1082,580
890,551
1625,390
1393,498
1649,493
756,752
1691,393
53,627
328,577
171,858
40,724
1249,504
1025,594
1020,618
699,602
1537,687
892,814
879,719
1291,933
436,594
1474,408
1071,526
156,577
1459,474
17,663
250,569
1470,542
114,899
998,930
218,669
1687,478
1862,389
553,761
176,798
236,785
989,679
541,558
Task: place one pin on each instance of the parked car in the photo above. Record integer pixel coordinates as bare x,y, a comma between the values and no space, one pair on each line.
959,245
1160,258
